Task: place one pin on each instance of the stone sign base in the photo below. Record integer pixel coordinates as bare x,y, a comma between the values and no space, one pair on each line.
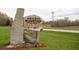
21,47
27,45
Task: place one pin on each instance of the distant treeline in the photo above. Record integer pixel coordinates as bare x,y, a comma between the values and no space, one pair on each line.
62,23
5,20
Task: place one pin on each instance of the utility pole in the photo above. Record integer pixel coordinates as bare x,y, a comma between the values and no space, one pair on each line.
52,16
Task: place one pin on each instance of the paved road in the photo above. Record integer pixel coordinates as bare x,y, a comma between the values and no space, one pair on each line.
72,31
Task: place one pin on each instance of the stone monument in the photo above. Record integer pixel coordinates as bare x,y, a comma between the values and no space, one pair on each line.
17,28
19,36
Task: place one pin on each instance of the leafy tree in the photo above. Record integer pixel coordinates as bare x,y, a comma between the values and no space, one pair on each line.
4,19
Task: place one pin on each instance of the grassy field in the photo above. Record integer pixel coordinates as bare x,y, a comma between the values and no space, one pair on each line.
66,28
52,40
4,36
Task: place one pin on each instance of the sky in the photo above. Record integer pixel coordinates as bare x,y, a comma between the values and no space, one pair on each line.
46,13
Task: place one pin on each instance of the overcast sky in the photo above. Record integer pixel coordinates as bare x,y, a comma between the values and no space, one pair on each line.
72,13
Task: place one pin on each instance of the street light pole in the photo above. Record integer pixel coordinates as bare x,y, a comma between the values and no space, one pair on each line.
52,16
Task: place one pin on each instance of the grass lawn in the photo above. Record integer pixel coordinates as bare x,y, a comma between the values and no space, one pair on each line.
4,36
60,40
52,40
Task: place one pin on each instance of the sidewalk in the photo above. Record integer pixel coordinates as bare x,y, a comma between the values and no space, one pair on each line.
72,31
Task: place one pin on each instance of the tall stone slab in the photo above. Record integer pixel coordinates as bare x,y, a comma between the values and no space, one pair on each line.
17,28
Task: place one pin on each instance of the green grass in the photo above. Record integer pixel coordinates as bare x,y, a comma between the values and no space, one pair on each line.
4,36
60,40
52,40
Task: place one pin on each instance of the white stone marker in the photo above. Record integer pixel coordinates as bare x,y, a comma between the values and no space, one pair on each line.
17,28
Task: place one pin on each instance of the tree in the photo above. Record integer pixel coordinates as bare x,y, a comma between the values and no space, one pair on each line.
4,19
